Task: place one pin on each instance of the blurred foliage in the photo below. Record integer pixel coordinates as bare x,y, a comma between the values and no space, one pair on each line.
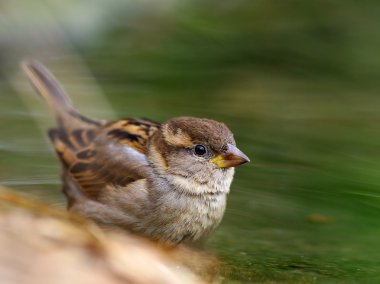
202,43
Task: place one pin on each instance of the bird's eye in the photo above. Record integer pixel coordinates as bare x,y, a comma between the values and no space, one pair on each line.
200,150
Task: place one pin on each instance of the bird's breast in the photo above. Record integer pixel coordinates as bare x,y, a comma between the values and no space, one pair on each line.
184,209
186,217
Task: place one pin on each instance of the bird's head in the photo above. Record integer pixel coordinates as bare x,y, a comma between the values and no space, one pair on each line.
197,155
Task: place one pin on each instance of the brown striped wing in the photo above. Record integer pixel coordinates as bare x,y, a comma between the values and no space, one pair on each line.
113,154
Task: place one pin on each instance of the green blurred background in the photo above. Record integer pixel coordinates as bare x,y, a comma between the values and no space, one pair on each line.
296,81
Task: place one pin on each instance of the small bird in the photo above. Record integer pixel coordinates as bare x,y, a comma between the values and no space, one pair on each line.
168,182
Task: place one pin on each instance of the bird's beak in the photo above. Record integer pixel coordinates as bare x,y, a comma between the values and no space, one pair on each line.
232,157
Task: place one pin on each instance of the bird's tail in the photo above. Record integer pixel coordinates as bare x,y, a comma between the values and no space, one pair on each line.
58,101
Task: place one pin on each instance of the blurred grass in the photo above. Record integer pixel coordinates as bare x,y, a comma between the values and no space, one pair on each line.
297,82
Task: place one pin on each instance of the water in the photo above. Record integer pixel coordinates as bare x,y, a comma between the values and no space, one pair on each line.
303,105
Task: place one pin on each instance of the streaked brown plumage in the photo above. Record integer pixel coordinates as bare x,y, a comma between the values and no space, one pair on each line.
168,182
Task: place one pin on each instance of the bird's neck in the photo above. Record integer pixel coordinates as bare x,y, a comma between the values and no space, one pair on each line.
214,185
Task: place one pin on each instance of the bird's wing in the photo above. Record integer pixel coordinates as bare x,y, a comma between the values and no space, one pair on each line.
114,154
93,153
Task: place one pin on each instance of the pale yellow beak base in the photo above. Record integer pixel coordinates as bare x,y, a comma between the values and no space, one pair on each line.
232,157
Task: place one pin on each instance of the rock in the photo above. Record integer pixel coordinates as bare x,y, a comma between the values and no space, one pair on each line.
43,244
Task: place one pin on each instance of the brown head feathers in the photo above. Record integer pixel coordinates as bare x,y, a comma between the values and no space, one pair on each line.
188,131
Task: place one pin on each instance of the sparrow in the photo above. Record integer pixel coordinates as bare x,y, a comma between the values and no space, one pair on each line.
166,181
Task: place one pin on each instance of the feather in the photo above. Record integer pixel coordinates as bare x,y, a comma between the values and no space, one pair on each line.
88,148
